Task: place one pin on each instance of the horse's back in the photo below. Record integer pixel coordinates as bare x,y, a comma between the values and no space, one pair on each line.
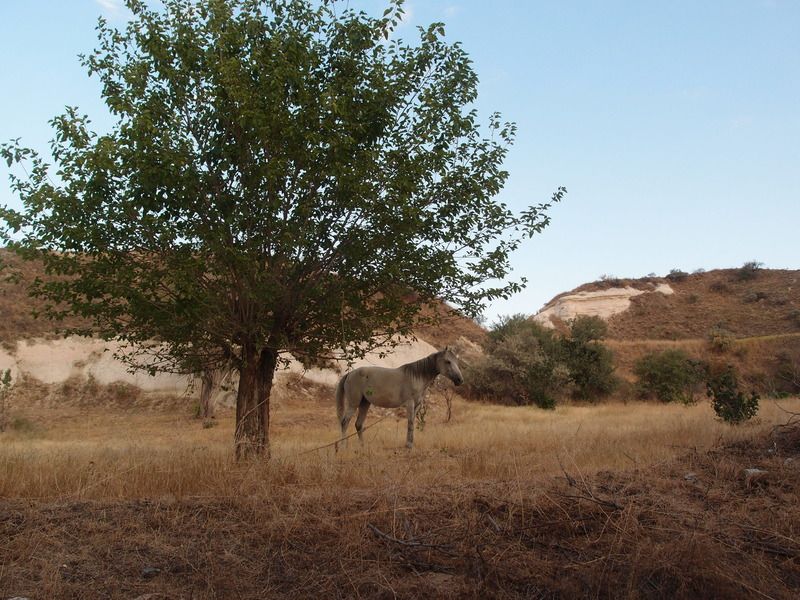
375,375
379,385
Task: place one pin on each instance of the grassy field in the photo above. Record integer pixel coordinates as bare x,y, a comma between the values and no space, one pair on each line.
618,500
95,454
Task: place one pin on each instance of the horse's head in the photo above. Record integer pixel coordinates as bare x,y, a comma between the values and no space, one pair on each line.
447,363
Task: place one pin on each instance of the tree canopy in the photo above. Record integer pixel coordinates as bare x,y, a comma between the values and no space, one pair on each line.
283,176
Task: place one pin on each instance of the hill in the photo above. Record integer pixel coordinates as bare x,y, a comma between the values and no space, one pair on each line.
745,303
49,370
767,303
755,313
18,322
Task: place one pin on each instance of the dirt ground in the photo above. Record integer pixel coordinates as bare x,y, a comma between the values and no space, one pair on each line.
621,501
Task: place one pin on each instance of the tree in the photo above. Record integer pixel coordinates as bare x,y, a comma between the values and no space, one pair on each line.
728,401
5,389
669,375
283,177
589,362
522,364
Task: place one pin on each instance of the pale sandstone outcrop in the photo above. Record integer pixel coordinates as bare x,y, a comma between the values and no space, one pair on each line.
77,358
601,303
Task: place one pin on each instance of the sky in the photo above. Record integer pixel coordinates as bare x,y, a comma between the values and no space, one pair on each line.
674,126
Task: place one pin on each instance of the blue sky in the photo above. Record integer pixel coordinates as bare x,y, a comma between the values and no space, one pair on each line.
675,125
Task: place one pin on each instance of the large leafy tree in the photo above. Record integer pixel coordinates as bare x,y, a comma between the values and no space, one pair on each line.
283,176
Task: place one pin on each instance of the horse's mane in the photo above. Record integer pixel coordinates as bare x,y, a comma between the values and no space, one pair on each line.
423,368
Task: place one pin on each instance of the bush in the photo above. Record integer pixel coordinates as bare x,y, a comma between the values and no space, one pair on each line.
670,375
720,287
521,365
748,271
611,280
751,297
590,364
788,371
730,404
720,339
22,425
584,329
677,275
526,363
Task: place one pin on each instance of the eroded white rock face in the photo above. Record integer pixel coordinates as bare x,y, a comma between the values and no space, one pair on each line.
56,361
601,303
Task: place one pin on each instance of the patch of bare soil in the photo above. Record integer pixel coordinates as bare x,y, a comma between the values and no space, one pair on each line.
720,524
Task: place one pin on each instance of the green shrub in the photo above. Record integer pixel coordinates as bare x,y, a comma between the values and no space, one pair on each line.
590,364
730,404
526,363
521,364
586,328
669,375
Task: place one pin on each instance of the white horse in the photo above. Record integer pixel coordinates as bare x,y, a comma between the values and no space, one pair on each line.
392,388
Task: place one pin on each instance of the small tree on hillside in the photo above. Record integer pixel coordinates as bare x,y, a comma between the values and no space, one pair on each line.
282,177
748,270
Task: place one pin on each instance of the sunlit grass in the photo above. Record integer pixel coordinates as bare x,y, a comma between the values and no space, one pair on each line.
117,455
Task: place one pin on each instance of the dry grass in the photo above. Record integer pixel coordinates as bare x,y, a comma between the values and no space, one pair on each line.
498,502
95,455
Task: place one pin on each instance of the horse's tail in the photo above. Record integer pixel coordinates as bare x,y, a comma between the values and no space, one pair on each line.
340,398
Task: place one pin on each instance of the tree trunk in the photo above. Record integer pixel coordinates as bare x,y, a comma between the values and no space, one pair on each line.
207,380
252,403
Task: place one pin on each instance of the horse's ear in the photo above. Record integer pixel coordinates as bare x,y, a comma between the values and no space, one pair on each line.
447,348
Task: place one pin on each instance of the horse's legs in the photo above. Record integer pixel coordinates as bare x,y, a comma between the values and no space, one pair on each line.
349,409
363,407
411,410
